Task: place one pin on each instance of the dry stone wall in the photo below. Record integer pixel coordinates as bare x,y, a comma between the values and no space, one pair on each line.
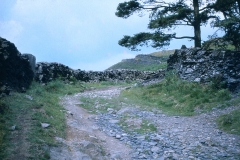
46,72
200,65
18,70
15,70
192,64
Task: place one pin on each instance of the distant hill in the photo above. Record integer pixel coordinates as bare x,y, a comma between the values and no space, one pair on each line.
163,53
145,62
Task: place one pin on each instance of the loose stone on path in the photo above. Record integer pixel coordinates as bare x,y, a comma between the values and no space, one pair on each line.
176,137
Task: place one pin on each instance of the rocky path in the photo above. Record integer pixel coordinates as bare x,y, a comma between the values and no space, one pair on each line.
103,137
84,139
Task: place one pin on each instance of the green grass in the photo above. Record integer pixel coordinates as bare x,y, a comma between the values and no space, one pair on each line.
172,95
177,97
145,127
27,115
3,128
145,67
229,47
230,122
217,44
130,125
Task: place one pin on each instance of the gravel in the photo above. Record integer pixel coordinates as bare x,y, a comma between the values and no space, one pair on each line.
196,137
177,137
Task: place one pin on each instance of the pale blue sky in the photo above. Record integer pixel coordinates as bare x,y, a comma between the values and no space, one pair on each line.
80,34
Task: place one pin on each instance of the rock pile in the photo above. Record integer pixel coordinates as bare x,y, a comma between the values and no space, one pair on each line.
200,65
15,71
46,72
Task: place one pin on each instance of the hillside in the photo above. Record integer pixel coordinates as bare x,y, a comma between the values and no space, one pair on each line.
145,62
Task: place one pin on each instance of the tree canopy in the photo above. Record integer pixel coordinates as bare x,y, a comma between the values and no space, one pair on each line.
164,17
230,24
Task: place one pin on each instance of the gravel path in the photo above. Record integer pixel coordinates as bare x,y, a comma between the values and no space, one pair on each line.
102,137
84,139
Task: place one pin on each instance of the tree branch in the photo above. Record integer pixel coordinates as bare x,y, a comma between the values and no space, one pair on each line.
176,24
189,20
153,7
207,7
184,37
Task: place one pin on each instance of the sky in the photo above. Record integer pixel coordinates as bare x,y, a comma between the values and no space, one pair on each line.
80,34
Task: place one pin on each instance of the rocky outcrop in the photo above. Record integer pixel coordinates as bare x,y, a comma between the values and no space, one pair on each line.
46,72
15,71
204,66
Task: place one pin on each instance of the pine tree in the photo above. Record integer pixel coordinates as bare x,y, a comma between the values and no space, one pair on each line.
164,17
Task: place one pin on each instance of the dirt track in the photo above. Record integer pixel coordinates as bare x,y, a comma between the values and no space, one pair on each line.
84,139
101,137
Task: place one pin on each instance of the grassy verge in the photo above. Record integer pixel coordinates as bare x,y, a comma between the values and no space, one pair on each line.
177,97
26,111
230,122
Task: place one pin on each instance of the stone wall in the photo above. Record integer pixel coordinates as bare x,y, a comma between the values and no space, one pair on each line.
46,72
15,71
32,61
193,64
203,66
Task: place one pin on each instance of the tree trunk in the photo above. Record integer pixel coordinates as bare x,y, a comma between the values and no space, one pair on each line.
197,28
